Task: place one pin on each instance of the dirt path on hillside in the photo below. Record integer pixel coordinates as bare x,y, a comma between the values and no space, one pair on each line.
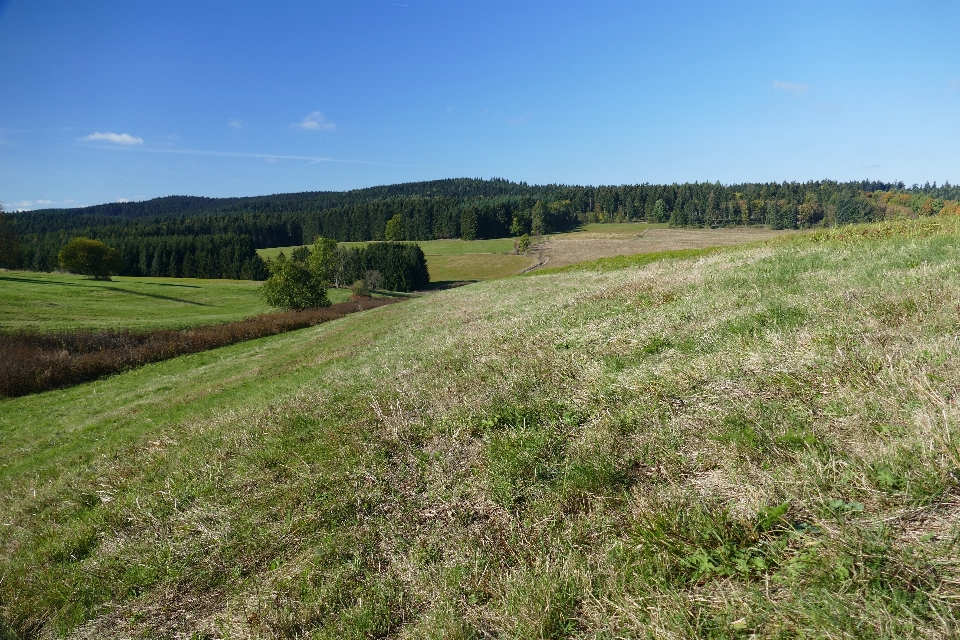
571,248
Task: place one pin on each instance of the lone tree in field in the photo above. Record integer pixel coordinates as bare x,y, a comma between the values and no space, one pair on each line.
90,258
293,286
10,254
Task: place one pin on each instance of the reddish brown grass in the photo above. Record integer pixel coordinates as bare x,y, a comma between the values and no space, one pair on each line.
31,362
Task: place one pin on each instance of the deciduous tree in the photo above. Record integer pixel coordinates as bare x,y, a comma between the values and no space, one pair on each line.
90,258
394,230
292,285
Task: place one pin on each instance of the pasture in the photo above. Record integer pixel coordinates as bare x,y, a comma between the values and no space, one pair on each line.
57,301
459,260
754,441
456,260
608,240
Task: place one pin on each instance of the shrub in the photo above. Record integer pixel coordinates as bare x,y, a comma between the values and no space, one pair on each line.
523,243
90,258
360,289
373,279
293,286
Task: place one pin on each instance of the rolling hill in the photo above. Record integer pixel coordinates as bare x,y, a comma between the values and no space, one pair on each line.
757,441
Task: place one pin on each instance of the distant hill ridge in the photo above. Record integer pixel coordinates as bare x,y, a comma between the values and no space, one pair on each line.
448,187
188,236
173,205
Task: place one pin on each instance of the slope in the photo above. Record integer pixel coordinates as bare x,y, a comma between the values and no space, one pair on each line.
753,441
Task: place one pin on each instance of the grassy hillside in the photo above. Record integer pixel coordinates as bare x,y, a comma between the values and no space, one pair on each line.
53,301
754,441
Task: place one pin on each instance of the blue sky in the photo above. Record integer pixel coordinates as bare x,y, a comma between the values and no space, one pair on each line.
135,99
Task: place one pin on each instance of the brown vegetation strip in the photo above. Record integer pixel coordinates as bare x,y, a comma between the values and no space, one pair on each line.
32,362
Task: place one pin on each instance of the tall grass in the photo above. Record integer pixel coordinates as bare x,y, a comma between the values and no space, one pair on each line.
758,442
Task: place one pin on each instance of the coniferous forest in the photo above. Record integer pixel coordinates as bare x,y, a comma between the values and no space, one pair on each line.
181,236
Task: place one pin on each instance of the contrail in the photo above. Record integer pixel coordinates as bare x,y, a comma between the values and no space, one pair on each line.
272,156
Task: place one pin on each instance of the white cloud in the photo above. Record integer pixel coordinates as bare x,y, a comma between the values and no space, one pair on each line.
519,120
315,122
236,124
24,205
789,87
119,138
310,159
123,200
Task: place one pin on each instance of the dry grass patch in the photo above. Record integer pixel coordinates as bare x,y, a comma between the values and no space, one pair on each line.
592,244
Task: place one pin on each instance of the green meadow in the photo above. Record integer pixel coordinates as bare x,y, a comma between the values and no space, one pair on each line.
455,260
756,442
55,301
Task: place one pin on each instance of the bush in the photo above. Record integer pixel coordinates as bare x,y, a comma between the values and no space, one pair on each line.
90,258
523,243
293,286
360,289
373,279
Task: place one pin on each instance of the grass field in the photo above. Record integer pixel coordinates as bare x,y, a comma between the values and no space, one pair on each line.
456,260
55,301
594,241
481,266
617,229
750,442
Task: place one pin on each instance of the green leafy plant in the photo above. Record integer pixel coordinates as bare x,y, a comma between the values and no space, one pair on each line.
90,258
360,289
293,286
523,243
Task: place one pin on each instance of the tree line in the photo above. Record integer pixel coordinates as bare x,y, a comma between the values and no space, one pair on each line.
301,281
218,237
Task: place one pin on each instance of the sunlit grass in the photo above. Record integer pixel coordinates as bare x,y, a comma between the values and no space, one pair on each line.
452,268
756,441
55,301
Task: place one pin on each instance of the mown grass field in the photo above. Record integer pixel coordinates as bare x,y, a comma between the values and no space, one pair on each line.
55,301
616,229
750,442
456,260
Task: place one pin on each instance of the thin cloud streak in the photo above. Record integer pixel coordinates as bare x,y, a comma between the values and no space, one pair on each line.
790,87
315,122
271,156
119,138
